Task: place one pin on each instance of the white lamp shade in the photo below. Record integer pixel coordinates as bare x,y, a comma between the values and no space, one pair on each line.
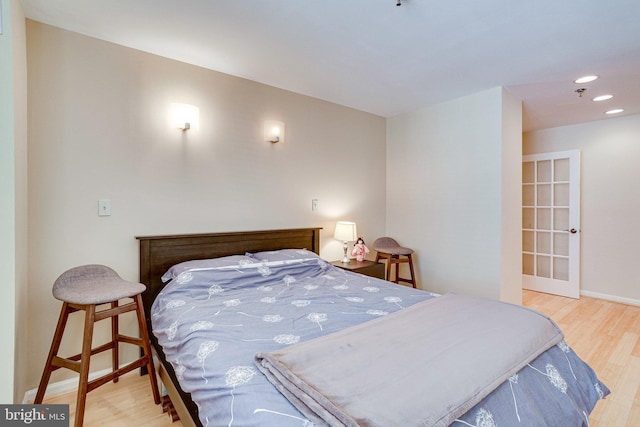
185,116
346,231
273,131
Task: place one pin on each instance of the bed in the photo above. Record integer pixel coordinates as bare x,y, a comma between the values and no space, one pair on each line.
228,311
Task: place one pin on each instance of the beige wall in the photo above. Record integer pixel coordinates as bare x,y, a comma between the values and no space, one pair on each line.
610,196
446,166
13,196
99,129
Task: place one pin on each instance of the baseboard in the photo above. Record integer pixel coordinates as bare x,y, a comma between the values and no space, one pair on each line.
622,300
62,387
66,386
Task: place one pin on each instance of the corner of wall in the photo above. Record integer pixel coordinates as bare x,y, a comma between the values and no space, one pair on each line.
511,268
21,198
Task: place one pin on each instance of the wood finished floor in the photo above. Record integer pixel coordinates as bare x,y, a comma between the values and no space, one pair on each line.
605,334
127,403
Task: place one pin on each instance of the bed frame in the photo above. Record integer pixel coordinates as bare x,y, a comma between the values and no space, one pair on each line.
158,253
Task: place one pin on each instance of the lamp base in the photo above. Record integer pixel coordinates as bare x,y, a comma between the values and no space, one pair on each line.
345,246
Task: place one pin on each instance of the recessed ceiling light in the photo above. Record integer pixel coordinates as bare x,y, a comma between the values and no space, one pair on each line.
585,79
602,97
616,111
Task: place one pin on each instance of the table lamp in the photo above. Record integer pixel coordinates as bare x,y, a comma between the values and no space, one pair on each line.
345,231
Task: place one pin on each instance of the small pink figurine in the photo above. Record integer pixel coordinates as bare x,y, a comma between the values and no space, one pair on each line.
359,250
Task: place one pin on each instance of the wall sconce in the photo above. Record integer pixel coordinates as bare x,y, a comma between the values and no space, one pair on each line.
185,116
273,131
345,231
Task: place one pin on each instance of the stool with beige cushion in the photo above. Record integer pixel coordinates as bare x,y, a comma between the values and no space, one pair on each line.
393,254
85,288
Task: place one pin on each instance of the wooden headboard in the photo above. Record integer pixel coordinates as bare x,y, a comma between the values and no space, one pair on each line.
158,253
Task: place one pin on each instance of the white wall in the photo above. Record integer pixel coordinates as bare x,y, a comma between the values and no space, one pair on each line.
99,128
13,181
7,205
610,154
446,165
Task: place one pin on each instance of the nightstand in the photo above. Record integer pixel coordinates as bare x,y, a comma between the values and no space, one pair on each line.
366,267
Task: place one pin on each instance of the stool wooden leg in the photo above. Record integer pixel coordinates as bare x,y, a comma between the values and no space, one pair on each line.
84,364
55,346
115,357
144,335
397,258
413,276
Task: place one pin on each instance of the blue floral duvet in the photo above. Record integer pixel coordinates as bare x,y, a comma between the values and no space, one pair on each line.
215,315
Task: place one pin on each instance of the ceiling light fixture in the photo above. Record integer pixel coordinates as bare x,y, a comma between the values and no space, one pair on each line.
585,79
602,98
580,91
614,111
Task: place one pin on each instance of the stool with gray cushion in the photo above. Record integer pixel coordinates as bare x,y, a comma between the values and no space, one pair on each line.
84,288
393,254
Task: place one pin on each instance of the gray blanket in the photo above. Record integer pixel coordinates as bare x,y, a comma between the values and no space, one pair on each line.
422,366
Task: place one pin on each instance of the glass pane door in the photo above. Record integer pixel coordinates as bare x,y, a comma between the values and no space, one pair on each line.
550,222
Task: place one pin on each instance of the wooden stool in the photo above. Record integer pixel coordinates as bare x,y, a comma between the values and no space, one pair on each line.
392,253
84,288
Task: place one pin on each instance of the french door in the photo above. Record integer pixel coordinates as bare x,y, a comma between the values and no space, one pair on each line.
551,223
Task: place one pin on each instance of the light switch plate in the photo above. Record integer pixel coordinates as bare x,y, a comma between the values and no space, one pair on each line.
104,207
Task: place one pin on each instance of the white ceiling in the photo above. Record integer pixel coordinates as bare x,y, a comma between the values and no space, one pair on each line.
374,56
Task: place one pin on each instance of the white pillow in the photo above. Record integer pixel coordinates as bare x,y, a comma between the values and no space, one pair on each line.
285,255
227,261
